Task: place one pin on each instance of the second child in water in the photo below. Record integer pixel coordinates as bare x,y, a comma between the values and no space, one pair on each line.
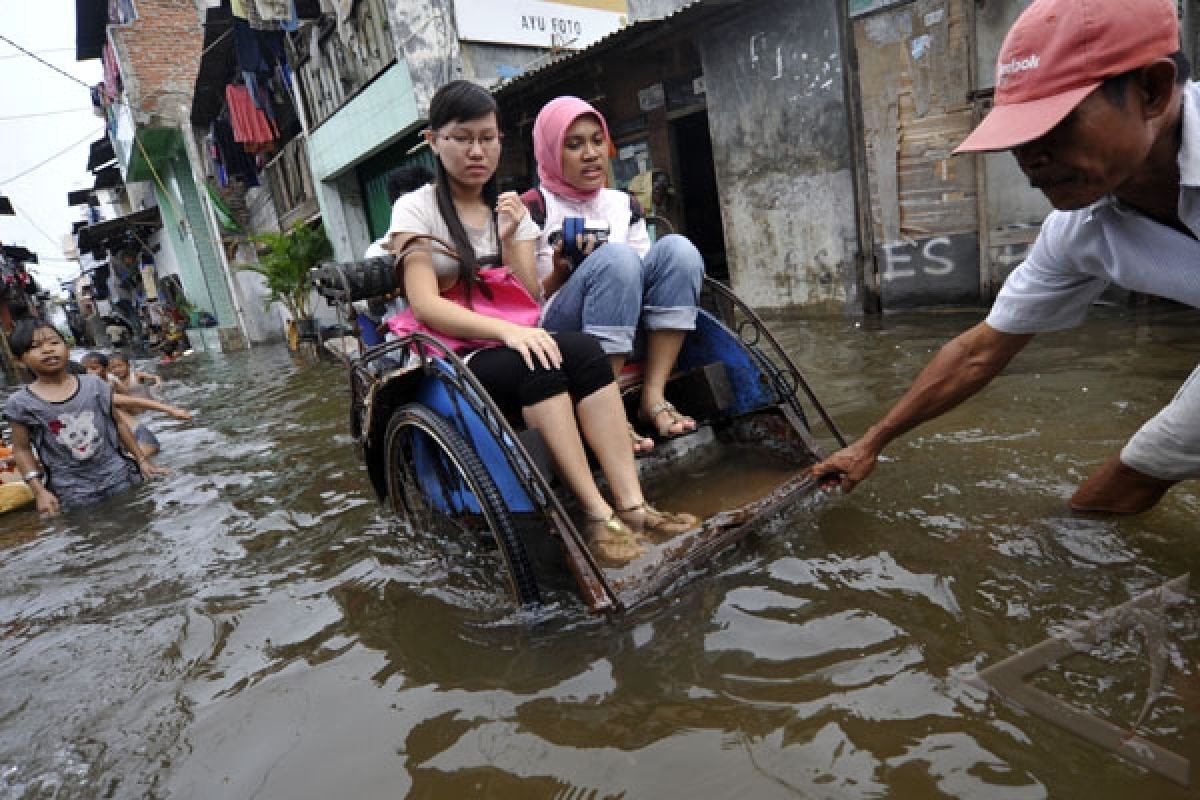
133,392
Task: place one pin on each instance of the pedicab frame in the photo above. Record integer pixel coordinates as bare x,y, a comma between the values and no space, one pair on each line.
417,387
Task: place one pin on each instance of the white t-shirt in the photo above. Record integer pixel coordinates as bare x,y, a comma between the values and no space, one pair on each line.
610,205
417,212
1078,253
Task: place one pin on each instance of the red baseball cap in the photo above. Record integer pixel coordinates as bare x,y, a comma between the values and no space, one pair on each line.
1058,52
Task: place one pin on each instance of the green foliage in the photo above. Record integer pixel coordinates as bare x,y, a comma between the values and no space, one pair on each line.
285,260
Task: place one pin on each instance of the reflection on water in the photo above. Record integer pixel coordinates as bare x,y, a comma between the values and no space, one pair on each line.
254,625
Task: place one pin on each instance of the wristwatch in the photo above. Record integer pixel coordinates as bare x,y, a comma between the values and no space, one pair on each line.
34,476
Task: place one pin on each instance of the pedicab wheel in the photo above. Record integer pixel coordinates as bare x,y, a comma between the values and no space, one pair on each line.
437,481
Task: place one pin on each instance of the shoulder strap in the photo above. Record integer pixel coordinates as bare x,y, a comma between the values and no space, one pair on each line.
535,201
428,243
636,214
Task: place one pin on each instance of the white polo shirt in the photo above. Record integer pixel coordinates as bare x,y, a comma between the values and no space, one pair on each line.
1079,253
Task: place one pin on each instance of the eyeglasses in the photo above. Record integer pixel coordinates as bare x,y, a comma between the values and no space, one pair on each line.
488,141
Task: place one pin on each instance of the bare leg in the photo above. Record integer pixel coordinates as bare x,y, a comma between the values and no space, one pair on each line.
602,421
1118,489
555,420
617,360
641,444
662,348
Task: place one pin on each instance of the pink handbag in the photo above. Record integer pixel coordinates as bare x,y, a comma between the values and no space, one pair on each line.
509,300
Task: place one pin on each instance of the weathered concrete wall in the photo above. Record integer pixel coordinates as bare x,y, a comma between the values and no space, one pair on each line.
488,64
261,210
426,39
782,153
1014,210
654,9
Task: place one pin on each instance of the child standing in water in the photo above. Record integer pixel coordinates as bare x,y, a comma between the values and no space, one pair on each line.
132,395
69,420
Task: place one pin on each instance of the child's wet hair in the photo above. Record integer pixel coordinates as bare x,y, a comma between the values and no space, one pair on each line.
120,357
99,358
21,340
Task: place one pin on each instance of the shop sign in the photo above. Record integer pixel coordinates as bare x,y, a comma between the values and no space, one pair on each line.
534,23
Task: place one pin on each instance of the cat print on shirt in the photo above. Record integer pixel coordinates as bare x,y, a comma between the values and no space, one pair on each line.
78,433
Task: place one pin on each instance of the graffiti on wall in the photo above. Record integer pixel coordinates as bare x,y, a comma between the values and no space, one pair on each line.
934,270
1007,248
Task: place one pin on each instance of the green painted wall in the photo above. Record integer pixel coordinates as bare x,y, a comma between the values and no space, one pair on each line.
200,269
364,125
373,175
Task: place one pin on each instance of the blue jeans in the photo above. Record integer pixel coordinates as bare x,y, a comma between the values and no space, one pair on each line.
613,292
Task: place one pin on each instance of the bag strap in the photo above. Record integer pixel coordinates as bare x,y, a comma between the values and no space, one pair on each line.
425,243
535,201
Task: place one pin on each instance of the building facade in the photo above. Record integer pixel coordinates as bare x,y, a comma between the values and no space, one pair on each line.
151,50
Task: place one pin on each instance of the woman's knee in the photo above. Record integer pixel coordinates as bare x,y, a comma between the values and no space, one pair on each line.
681,256
615,263
585,363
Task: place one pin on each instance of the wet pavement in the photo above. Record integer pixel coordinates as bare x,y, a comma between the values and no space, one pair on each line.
254,626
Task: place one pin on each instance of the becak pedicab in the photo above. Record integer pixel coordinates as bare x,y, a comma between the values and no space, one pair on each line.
445,459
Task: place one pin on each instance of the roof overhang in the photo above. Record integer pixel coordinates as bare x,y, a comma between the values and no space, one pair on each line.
98,236
108,178
100,154
20,254
91,23
80,197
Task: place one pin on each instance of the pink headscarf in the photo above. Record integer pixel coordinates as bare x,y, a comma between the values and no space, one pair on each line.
549,130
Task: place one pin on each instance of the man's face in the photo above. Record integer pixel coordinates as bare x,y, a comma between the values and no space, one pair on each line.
1091,153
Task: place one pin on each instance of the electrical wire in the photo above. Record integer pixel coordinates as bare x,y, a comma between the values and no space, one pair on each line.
41,60
44,114
47,160
36,227
50,50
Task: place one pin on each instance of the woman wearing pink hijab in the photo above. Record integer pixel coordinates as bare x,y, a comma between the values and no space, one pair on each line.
619,287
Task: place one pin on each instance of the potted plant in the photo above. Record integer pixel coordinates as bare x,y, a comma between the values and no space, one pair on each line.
285,261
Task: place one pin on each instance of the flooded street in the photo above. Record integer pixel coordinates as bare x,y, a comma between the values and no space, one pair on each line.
253,626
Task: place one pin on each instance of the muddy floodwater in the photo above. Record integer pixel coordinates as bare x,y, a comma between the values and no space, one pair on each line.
255,626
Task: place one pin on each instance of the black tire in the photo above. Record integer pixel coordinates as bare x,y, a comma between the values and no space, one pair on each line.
458,469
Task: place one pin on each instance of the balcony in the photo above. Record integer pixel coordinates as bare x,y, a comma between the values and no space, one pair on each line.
351,55
290,180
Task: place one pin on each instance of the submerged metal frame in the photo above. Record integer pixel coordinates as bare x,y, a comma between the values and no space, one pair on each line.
1007,680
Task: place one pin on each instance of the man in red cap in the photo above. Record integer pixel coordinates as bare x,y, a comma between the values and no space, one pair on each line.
1092,99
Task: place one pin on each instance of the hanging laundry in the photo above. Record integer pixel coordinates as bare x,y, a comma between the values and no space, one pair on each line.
112,72
274,10
251,127
233,159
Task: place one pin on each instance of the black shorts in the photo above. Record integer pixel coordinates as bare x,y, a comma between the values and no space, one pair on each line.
514,386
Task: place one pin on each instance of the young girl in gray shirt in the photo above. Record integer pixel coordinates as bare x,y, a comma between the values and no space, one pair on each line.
70,422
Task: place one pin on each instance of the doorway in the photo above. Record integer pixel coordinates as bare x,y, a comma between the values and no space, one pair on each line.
914,81
697,191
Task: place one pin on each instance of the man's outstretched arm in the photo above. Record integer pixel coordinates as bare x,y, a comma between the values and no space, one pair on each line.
961,368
